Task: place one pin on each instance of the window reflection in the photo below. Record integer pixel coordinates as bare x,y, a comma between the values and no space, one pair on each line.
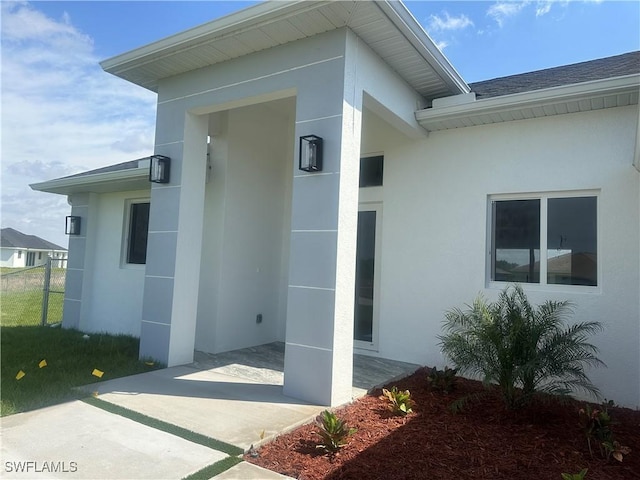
571,241
516,241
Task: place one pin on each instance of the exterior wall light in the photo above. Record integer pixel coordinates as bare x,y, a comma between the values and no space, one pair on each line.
159,169
72,225
310,153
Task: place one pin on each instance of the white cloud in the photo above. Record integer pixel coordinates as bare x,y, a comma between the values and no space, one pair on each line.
445,24
442,45
61,114
439,23
501,11
542,8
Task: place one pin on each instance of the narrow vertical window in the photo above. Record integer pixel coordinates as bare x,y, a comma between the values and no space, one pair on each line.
138,231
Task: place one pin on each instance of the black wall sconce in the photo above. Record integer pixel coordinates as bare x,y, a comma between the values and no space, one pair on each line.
159,169
72,225
310,153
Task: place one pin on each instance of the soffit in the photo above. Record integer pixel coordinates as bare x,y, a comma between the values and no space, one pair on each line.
386,26
105,182
581,97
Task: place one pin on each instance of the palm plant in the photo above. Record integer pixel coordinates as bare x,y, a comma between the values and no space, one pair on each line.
521,348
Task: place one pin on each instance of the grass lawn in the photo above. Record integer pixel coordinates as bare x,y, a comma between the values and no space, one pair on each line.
25,308
21,302
70,361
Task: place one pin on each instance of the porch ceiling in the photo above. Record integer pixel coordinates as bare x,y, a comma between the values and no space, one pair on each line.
386,26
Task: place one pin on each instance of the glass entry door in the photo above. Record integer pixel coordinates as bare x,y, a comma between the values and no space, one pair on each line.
365,331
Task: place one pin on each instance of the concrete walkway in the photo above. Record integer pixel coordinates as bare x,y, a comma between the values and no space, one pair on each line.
234,398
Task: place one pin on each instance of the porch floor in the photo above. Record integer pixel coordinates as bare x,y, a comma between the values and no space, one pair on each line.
265,364
234,396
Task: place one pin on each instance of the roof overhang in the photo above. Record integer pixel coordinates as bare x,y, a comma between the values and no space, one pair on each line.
579,97
386,26
105,182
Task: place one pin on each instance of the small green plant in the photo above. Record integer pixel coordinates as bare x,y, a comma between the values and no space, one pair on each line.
596,424
333,432
442,380
575,476
400,402
615,450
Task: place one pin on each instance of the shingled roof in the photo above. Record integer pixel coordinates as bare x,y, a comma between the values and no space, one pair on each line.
11,238
610,67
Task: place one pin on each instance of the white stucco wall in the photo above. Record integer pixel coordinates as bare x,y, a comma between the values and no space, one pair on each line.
113,301
9,258
246,228
435,229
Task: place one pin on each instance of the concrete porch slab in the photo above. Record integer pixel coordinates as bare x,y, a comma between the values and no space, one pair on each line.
228,408
235,397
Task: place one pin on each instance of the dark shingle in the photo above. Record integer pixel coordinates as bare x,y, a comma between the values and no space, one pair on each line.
610,67
14,239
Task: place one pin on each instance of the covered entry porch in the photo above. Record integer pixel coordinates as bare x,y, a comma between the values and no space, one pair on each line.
245,246
237,396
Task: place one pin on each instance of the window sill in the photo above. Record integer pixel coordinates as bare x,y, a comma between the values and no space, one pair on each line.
549,288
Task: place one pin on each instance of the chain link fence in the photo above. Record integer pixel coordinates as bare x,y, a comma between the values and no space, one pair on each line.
34,295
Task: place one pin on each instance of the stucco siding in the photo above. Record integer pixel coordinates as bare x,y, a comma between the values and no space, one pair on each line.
435,241
245,230
114,303
9,257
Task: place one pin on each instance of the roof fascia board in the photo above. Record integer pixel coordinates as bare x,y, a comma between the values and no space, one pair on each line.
564,93
404,20
252,17
58,185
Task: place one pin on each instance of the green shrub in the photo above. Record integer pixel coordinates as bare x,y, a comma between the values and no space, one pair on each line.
442,380
521,348
333,432
596,424
400,402
575,476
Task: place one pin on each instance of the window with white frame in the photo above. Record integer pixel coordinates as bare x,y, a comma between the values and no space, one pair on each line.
546,239
138,228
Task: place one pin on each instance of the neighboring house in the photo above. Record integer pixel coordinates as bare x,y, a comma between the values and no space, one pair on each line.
431,192
20,250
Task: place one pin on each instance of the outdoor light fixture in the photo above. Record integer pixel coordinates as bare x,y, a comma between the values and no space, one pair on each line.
159,169
72,225
310,153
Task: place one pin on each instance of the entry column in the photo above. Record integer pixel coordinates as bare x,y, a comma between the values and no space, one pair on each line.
319,336
174,244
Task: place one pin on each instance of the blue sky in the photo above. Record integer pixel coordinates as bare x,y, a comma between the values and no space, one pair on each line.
62,114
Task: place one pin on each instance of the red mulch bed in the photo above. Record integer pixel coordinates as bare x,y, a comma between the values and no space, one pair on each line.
484,441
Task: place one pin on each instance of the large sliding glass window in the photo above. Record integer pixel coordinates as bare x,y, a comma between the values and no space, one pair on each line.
546,240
